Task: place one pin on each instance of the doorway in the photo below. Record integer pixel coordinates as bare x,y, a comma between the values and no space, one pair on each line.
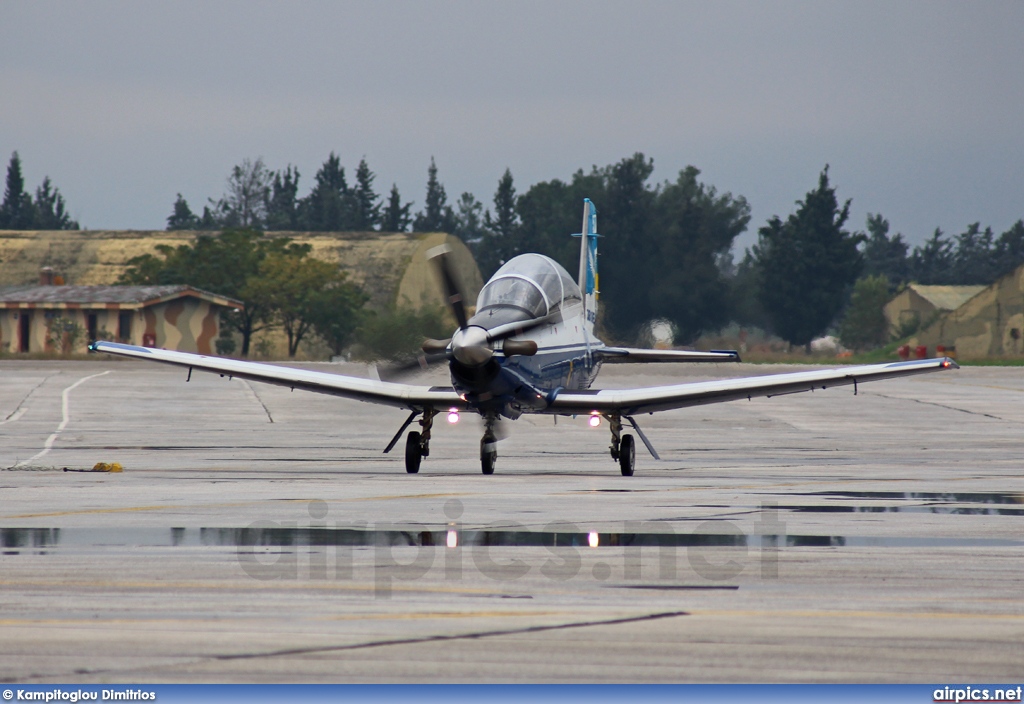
24,328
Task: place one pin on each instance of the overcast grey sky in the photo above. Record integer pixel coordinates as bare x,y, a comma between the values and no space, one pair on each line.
916,105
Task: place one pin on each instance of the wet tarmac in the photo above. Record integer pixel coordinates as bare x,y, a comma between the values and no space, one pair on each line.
261,535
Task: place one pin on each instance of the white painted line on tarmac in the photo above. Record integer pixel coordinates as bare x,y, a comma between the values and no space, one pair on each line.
66,410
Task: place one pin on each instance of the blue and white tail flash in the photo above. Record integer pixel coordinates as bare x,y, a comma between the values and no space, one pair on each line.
588,278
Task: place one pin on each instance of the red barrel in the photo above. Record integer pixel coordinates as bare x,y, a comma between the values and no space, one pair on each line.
921,352
903,351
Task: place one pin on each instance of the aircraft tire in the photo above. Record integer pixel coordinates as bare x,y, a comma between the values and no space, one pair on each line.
413,455
627,455
488,458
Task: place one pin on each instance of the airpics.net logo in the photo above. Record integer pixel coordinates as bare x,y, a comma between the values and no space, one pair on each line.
712,553
960,695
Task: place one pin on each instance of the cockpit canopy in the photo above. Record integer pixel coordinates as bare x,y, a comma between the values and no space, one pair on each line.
529,284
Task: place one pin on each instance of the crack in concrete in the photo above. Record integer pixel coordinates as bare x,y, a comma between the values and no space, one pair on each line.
462,636
21,409
258,399
940,405
364,646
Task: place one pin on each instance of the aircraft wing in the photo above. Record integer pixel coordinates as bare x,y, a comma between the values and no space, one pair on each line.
664,398
369,390
624,355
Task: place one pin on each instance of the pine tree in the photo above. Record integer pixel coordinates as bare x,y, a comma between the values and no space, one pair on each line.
807,265
395,217
327,207
469,220
933,263
50,211
974,257
437,215
182,217
506,221
16,209
1010,248
885,256
283,206
501,240
365,208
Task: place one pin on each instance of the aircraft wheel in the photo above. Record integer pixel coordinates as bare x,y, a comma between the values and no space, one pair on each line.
488,457
627,455
413,455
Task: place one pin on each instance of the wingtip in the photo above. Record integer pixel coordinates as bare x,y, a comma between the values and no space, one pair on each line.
735,356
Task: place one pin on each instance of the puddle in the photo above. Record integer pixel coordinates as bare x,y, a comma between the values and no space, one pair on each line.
41,540
922,508
948,497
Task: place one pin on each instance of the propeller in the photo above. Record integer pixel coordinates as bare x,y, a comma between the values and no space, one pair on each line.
473,345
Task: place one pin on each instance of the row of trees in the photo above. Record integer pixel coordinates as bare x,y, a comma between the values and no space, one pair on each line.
258,198
684,222
975,256
675,237
20,211
667,257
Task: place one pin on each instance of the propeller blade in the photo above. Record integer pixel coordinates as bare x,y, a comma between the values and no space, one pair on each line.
421,362
434,346
452,292
522,327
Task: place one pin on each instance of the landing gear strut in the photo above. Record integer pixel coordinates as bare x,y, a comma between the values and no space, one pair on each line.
623,449
417,444
489,445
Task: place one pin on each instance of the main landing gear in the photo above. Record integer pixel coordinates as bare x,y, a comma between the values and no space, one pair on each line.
623,449
417,443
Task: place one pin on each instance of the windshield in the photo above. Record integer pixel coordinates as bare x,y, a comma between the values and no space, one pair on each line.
531,283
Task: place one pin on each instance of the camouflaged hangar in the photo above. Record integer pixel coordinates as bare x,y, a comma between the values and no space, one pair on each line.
989,324
49,317
391,267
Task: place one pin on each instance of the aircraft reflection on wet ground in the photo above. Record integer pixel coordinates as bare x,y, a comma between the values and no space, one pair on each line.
41,540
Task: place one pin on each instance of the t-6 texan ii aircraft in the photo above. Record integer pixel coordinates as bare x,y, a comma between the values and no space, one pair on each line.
530,348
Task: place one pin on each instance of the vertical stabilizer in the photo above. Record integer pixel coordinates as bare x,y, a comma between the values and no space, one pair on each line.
588,278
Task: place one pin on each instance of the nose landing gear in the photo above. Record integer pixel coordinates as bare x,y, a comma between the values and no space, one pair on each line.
489,445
